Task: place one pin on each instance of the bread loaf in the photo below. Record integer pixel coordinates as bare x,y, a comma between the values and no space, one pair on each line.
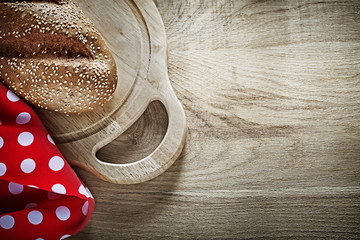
52,56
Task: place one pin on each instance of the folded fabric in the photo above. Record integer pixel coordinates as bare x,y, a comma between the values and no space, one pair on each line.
41,197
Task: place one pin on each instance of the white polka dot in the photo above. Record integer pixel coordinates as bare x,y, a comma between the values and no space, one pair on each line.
30,205
89,193
62,213
12,97
1,142
7,222
58,188
28,165
85,208
65,236
50,139
25,139
56,163
0,122
32,186
83,191
15,188
2,169
39,239
23,118
35,217
53,196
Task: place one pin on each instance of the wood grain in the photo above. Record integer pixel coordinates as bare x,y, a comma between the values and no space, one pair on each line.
141,139
132,29
271,90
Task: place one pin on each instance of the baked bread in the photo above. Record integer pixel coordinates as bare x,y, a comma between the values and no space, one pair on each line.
52,56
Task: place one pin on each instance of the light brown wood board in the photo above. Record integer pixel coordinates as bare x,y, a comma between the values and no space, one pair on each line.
135,34
271,91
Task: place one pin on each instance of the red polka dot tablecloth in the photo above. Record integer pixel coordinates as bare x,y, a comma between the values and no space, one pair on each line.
41,197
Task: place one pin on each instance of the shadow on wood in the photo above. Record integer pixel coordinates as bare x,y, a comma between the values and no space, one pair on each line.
140,140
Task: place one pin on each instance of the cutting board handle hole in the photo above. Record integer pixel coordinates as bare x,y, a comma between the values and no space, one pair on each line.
140,140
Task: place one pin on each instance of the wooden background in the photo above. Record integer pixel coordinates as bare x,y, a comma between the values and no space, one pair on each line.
271,90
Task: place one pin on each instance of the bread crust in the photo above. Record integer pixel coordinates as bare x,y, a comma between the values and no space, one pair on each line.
52,56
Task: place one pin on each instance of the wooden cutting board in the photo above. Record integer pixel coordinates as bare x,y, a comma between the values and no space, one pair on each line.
134,32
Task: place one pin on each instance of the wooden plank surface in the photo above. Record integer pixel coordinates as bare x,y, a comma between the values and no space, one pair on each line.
271,90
